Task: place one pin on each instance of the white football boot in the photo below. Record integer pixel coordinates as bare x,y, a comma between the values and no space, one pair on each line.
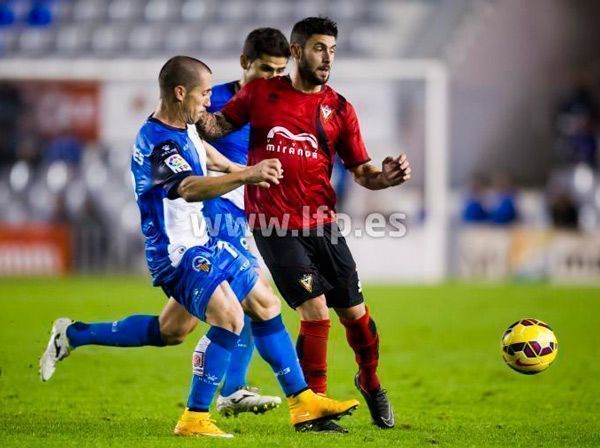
58,348
246,399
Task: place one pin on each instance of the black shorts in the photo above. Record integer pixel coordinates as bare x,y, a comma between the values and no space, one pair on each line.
307,266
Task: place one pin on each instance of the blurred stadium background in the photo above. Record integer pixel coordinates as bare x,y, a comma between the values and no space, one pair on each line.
494,101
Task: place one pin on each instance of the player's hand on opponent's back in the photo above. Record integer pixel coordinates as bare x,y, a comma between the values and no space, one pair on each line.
396,170
264,173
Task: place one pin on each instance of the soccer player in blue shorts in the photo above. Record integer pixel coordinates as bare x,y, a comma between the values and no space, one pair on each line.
207,276
265,54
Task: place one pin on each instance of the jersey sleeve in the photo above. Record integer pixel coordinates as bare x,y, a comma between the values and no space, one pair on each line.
351,147
237,109
169,167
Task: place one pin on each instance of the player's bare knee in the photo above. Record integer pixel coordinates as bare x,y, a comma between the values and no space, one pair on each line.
262,305
238,323
267,310
172,338
231,319
266,284
352,313
314,309
172,335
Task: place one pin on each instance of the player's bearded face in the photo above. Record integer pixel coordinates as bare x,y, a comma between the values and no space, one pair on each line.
316,59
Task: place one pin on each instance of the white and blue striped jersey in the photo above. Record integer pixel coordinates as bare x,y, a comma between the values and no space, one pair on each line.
163,156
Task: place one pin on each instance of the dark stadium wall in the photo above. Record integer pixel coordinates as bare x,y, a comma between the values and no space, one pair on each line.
504,92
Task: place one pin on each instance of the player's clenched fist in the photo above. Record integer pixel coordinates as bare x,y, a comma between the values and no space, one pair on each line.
265,173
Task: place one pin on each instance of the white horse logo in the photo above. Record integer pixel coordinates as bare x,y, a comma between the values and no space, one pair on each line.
304,137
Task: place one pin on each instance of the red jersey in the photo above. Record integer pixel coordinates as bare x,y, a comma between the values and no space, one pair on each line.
304,131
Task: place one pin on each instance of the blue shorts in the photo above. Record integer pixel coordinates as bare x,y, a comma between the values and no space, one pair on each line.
229,223
203,268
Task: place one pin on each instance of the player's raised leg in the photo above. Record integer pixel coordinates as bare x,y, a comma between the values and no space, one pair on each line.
170,328
58,348
275,346
133,331
362,336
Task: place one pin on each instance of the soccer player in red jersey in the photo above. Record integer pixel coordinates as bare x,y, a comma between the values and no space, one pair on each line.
303,122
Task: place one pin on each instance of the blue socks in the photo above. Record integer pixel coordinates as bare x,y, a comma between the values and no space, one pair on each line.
275,346
240,361
210,361
133,331
212,354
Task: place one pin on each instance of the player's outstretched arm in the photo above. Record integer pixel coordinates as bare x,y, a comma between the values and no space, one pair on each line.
215,161
213,126
203,188
394,171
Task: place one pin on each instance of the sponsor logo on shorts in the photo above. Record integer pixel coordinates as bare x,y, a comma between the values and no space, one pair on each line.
245,266
307,282
201,263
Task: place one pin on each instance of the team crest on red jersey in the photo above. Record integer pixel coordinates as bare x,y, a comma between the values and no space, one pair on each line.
326,111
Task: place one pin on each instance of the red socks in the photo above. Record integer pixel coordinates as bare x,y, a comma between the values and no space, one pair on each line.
312,352
363,338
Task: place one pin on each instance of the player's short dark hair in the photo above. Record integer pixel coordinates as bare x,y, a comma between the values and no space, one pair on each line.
179,71
267,41
310,26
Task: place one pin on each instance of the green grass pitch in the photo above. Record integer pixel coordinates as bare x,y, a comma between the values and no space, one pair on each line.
440,362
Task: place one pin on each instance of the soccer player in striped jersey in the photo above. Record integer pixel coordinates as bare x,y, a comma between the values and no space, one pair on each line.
265,54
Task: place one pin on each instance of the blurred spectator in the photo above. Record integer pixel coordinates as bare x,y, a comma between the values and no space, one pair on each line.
473,210
503,209
91,232
11,106
28,149
496,205
7,15
40,13
28,141
64,147
576,123
60,214
573,197
563,212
